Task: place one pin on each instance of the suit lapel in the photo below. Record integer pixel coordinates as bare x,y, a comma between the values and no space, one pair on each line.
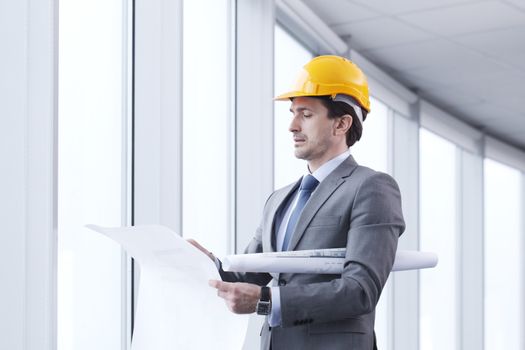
281,197
320,196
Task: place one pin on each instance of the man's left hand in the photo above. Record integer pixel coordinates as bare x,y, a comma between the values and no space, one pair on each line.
241,298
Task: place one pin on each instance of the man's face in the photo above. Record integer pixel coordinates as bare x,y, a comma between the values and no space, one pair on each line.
313,133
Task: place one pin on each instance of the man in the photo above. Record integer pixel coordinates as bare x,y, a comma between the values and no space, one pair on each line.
336,204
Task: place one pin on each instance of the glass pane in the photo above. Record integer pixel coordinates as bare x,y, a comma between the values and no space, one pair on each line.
206,123
290,56
90,173
503,278
438,234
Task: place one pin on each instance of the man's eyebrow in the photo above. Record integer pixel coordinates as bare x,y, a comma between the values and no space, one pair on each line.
300,109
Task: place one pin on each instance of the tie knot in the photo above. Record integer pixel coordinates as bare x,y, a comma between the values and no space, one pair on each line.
309,183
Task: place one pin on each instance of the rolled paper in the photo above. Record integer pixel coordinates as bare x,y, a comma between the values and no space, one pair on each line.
322,261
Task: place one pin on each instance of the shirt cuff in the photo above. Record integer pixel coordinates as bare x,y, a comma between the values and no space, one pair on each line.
274,319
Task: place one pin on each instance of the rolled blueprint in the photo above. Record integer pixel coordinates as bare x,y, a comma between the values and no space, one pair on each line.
322,261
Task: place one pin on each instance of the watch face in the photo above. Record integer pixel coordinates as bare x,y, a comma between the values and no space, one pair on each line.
263,307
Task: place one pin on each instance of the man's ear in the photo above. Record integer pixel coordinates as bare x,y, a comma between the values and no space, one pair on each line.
343,124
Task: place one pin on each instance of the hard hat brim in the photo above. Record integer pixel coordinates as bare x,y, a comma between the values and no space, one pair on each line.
289,95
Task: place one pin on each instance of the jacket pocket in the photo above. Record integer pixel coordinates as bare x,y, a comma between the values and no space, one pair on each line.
323,221
353,325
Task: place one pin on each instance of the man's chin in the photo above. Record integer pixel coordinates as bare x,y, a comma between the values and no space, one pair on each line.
301,155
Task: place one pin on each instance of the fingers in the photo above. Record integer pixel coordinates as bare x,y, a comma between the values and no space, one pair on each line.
201,248
197,245
223,289
214,283
240,298
220,285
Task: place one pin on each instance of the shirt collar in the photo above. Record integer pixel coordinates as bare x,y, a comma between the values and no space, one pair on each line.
324,170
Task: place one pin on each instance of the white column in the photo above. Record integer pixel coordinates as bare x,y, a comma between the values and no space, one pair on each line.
254,125
157,116
470,250
405,285
523,252
254,114
28,106
157,113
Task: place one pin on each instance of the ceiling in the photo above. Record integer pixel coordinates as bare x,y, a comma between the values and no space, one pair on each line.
466,57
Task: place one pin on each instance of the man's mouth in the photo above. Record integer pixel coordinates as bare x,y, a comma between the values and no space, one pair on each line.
298,140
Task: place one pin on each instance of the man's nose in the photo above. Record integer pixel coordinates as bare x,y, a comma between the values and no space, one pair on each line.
294,125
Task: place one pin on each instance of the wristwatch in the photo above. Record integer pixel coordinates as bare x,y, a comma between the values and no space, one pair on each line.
264,305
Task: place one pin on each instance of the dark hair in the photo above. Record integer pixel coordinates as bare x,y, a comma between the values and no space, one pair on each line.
337,109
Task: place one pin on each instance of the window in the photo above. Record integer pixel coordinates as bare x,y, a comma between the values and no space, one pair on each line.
206,124
290,56
438,234
92,184
503,276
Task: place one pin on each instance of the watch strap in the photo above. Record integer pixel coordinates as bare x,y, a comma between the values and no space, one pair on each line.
264,304
265,293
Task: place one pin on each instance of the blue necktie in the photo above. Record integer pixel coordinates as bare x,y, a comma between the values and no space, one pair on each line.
308,185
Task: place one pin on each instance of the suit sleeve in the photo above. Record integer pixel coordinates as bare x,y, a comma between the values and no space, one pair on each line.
376,222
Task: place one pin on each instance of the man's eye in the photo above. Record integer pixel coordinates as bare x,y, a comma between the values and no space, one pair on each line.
307,115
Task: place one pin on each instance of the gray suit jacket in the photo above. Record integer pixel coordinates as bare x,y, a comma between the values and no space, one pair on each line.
354,207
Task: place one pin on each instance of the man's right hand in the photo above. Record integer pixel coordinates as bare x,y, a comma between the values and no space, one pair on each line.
201,248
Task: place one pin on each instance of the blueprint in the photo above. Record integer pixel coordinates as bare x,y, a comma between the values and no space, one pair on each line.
176,308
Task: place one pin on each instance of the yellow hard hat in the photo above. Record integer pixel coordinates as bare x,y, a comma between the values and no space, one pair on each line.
330,76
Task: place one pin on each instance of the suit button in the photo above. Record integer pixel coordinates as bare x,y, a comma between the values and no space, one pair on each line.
295,323
282,282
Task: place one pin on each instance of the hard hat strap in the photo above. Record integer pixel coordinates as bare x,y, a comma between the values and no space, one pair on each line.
351,102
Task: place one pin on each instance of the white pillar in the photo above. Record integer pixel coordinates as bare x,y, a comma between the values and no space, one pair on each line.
254,126
254,114
157,113
28,110
405,285
470,250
